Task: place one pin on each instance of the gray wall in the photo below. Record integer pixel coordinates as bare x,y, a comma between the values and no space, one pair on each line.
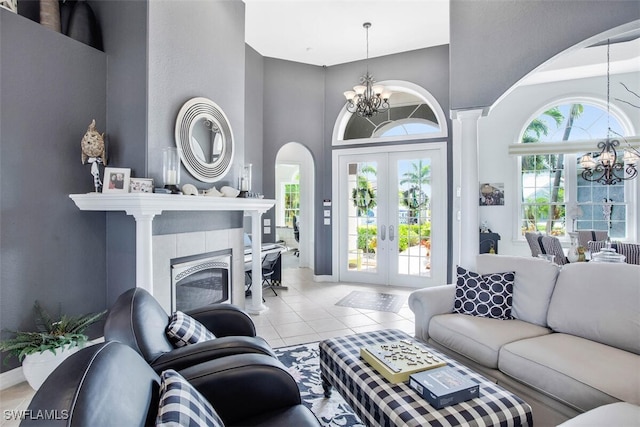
125,44
253,115
196,49
161,55
302,103
294,112
494,43
52,87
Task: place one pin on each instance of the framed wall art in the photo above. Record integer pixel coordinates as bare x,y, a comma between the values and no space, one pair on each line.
492,194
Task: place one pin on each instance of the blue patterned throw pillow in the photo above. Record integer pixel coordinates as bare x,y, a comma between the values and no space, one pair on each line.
184,330
489,295
182,405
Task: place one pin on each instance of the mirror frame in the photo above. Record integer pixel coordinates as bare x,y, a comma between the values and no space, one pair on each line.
192,111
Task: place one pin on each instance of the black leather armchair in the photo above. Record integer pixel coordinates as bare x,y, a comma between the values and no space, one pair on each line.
109,384
137,320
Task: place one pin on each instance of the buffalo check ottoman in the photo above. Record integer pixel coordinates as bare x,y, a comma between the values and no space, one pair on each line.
381,403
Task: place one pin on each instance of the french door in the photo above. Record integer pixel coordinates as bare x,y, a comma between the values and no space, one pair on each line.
392,215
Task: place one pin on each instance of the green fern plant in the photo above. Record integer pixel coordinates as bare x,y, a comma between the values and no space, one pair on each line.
50,334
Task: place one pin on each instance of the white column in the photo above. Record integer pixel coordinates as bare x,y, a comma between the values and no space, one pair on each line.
256,306
465,153
144,251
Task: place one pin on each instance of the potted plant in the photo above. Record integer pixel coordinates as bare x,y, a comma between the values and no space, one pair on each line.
43,350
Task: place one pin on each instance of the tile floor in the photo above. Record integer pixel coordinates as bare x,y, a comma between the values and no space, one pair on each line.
306,312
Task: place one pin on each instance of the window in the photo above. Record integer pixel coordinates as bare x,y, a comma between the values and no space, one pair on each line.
408,115
554,197
291,193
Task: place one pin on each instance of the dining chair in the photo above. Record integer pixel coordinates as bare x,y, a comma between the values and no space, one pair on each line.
551,245
534,242
586,236
631,251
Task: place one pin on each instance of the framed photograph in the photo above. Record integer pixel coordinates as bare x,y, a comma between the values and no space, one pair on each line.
492,194
116,180
11,5
141,185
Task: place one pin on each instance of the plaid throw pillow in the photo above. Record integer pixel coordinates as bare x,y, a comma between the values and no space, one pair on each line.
184,330
182,405
490,295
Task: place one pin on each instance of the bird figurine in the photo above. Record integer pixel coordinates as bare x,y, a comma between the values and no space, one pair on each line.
93,151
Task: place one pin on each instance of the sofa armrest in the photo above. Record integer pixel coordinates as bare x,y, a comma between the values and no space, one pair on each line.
224,320
428,302
193,354
243,386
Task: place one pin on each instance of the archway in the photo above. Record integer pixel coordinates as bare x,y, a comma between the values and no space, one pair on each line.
294,188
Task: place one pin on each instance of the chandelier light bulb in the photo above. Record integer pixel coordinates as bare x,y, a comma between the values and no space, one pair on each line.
607,157
587,162
349,95
359,89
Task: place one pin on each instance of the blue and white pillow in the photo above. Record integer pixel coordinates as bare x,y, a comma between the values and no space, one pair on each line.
184,330
182,405
489,295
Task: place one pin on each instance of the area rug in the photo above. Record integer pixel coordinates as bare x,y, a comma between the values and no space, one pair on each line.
373,301
303,362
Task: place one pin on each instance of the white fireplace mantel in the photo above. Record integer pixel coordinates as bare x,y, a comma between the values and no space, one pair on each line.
145,206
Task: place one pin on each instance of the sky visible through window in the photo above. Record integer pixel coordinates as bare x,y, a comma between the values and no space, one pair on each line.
592,123
410,129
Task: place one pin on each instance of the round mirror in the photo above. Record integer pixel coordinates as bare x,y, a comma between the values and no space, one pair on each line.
204,139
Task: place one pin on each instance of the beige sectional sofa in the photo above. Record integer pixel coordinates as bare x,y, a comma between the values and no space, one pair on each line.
574,342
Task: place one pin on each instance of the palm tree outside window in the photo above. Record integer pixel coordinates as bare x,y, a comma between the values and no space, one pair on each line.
551,182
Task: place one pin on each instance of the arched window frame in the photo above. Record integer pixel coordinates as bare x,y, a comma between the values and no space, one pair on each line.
396,86
572,150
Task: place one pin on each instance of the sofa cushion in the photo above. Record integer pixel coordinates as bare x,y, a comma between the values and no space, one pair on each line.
614,414
583,373
479,338
534,282
599,302
182,405
489,295
184,330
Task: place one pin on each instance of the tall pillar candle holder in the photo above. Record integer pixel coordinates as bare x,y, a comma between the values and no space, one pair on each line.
171,169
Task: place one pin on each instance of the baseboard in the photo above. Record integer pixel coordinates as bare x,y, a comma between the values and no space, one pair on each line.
15,376
11,378
324,278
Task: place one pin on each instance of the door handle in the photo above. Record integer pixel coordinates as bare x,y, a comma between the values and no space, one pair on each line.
391,236
383,232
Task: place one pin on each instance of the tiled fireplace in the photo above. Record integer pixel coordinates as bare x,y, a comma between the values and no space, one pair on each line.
170,248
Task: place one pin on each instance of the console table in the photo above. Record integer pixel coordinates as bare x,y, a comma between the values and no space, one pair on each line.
145,206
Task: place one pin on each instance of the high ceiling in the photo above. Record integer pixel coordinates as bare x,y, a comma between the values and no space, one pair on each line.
330,32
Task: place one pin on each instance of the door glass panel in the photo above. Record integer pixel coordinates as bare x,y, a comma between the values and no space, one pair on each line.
362,228
414,216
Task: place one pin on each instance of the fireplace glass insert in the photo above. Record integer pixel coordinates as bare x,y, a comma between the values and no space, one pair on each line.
200,280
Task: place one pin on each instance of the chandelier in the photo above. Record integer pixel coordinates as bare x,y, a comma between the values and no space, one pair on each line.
606,167
367,99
